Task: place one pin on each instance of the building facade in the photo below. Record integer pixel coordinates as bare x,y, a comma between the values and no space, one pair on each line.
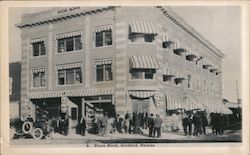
116,59
15,89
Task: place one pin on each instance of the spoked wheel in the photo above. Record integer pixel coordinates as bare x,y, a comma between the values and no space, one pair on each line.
27,127
37,133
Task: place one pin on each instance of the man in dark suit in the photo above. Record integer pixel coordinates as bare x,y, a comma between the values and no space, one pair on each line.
151,125
82,126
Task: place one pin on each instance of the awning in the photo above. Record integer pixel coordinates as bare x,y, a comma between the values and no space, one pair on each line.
213,70
95,92
37,70
143,27
103,62
36,40
141,93
67,35
103,28
172,103
79,93
166,38
179,47
179,75
143,62
68,66
190,56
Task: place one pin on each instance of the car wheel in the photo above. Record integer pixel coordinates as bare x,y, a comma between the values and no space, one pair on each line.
27,127
37,133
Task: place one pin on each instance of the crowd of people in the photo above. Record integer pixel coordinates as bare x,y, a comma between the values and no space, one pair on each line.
130,123
193,124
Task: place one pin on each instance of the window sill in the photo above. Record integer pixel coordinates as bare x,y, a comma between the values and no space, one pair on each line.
68,85
148,43
35,88
101,47
69,52
40,56
143,80
103,82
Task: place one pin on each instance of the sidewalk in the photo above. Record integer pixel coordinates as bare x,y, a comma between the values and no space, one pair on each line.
228,135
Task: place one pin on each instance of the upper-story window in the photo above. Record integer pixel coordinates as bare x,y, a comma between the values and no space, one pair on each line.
142,73
142,31
39,77
69,42
167,43
103,36
69,74
179,49
143,67
38,48
104,71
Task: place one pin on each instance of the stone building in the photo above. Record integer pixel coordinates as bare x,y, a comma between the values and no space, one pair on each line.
117,59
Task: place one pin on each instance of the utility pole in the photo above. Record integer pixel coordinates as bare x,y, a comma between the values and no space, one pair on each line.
237,94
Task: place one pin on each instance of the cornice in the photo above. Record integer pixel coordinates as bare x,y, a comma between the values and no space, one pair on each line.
169,13
67,16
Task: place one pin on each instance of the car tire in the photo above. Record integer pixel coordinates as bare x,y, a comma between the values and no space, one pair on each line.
27,127
37,133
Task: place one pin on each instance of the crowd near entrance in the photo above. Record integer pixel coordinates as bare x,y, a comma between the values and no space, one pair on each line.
97,115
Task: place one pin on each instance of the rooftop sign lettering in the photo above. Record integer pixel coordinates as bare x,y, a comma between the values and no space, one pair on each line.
68,10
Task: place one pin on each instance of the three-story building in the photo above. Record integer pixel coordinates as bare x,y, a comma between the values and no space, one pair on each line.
117,59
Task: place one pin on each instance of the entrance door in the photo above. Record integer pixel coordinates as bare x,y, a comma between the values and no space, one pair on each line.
140,105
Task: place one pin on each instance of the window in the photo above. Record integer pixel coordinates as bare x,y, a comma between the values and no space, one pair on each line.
177,81
38,49
69,44
73,113
103,38
142,73
104,72
167,78
39,79
141,37
69,76
189,81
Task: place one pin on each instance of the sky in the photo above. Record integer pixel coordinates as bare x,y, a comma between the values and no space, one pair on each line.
221,25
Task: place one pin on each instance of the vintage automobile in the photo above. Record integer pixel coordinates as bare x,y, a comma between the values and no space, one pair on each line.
28,128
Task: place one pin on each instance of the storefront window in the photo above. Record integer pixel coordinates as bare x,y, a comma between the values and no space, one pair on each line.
38,48
104,72
69,76
69,44
103,38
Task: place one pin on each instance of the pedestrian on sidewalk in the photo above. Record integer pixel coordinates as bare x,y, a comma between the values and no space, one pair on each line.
82,125
157,126
104,121
151,125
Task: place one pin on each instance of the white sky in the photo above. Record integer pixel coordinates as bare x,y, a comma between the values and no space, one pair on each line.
218,24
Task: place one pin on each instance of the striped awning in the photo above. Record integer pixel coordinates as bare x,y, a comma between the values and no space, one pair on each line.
79,93
103,62
36,40
95,92
143,62
103,28
179,75
143,27
37,70
67,35
166,38
172,103
44,95
141,93
191,55
68,66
